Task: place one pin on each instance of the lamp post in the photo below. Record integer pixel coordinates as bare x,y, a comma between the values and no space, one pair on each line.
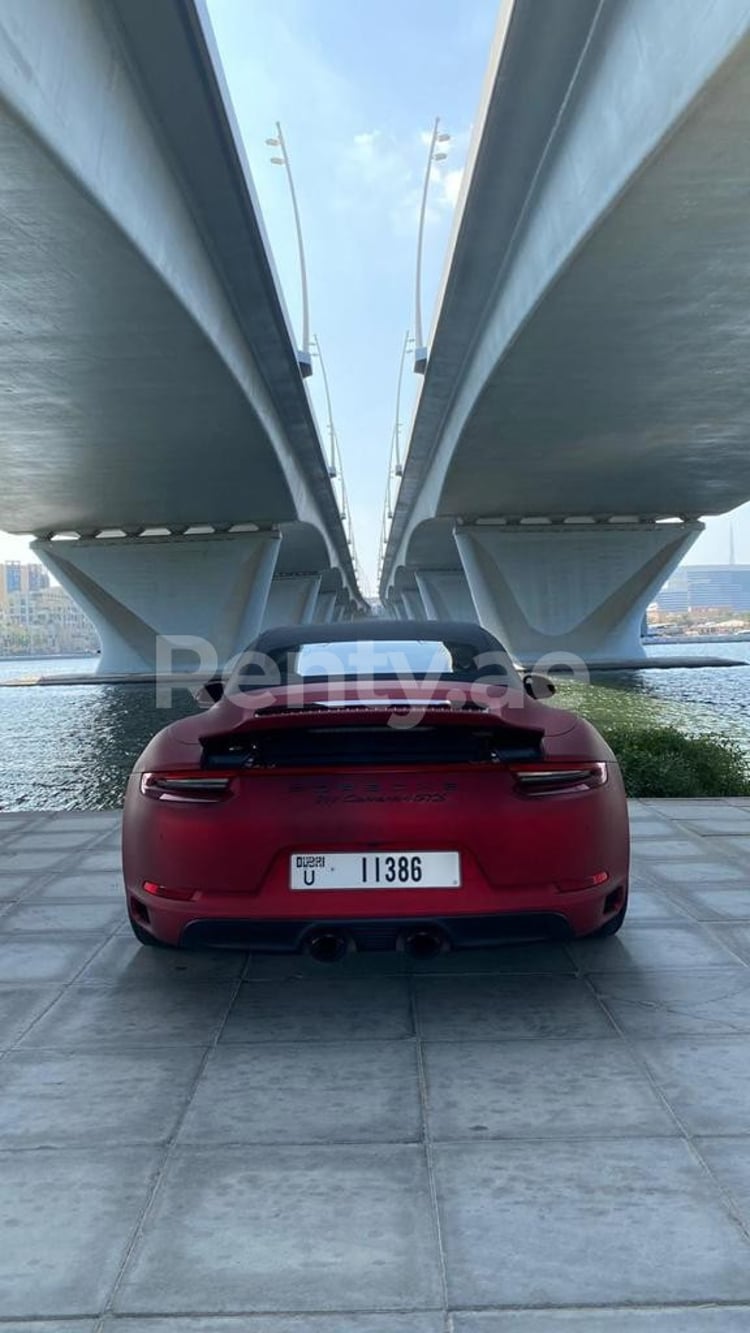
435,154
332,441
398,466
304,358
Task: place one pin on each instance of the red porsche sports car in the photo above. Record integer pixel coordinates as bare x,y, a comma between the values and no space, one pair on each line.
375,785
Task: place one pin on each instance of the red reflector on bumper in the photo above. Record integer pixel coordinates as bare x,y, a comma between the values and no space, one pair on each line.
590,882
161,891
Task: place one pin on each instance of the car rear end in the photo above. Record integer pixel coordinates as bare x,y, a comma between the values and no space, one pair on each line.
369,825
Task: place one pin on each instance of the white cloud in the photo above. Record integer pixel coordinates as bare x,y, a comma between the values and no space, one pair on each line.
452,185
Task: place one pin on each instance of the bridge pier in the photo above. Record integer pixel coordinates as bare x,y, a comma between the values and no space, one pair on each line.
292,600
136,589
581,589
325,608
445,594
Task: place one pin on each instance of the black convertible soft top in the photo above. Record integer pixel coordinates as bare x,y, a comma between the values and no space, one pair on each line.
287,638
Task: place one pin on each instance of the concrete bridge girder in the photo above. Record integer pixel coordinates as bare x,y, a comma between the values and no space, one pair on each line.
445,594
578,589
219,589
140,590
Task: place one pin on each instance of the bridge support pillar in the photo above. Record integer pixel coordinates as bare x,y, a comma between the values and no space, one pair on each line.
413,604
325,608
137,589
292,600
570,589
445,594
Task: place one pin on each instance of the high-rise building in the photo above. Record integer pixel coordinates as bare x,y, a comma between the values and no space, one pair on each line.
706,588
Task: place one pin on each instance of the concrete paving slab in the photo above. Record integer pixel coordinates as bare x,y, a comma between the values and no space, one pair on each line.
542,1089
37,1326
648,904
665,848
13,887
734,936
104,860
732,904
656,945
19,1006
338,1228
124,962
320,1010
56,917
728,1159
701,873
88,1098
306,1323
732,843
705,1079
720,823
94,819
34,958
15,861
694,807
518,1058
65,1221
662,1004
619,1221
93,887
682,1319
490,1008
118,1016
55,840
310,1092
645,827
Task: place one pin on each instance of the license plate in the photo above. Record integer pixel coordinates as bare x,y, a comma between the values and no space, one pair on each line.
375,870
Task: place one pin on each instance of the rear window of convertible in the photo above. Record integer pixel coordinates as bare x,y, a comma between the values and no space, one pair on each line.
368,659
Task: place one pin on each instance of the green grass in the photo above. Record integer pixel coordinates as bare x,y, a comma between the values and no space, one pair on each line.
663,748
662,761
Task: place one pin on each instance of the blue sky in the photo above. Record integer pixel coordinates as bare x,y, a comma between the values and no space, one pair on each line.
356,88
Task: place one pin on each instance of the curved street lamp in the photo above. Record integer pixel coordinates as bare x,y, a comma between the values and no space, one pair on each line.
435,154
398,465
332,440
334,465
304,358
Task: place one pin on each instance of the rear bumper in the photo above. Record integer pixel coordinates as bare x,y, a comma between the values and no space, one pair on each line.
535,916
462,932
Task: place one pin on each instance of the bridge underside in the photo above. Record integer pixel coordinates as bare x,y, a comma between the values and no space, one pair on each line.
624,390
150,406
110,394
587,403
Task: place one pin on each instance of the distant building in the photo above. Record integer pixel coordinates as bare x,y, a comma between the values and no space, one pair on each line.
16,577
38,618
706,588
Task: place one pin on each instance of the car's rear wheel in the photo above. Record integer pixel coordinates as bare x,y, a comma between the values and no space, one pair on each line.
144,937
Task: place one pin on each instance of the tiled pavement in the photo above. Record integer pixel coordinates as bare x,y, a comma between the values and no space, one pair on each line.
536,1139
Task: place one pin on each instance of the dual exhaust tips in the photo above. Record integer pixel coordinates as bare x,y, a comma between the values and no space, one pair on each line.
330,946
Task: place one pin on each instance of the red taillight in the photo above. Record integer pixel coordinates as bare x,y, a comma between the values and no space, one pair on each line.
162,891
186,786
550,778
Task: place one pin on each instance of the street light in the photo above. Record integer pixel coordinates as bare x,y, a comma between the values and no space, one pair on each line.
398,467
332,470
434,155
304,358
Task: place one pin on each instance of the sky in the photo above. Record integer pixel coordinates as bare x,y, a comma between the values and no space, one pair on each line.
357,88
